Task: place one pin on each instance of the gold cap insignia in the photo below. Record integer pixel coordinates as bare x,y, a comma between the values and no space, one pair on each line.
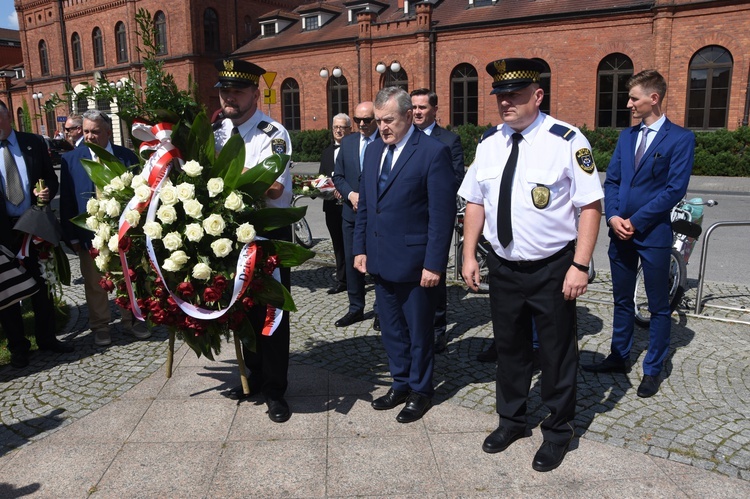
500,66
229,64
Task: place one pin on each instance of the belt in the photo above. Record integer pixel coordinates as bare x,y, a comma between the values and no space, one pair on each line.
528,264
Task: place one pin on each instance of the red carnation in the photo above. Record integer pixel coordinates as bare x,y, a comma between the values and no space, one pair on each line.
122,302
186,290
211,295
93,252
220,283
248,302
107,284
124,244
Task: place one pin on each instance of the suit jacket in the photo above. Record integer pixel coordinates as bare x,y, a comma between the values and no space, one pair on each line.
347,173
409,225
38,165
646,196
326,168
457,152
76,188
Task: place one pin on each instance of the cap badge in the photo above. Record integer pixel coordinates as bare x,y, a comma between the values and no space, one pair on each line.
228,64
500,66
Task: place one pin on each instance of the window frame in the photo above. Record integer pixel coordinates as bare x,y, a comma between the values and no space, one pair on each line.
121,42
97,44
620,71
291,112
469,81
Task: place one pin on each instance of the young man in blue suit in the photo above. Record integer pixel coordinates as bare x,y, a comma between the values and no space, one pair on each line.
648,175
76,188
402,237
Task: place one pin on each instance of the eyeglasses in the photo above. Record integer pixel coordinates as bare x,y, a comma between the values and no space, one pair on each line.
341,128
366,121
71,128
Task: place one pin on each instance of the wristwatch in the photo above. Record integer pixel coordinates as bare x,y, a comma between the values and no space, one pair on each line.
582,268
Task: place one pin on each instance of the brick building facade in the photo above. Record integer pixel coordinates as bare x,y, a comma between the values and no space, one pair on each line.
329,55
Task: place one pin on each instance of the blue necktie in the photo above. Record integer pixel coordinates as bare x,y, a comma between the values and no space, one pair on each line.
362,152
386,169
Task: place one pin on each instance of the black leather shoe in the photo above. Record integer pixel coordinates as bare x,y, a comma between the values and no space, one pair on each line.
349,319
19,360
549,456
501,438
278,410
608,365
56,346
441,343
339,288
648,387
416,406
489,355
389,400
376,323
236,393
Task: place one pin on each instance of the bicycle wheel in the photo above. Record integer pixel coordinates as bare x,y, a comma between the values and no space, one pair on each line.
484,273
677,283
303,234
592,271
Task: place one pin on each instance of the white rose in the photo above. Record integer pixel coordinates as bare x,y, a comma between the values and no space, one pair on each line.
101,261
306,188
202,271
172,241
152,229
214,225
215,187
167,214
92,206
104,231
92,223
234,202
245,233
222,247
193,208
179,257
192,168
138,181
127,178
113,208
113,243
97,242
133,217
116,184
170,265
194,232
143,193
168,195
185,191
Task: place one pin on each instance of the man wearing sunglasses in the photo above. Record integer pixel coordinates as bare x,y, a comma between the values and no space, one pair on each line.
346,175
74,129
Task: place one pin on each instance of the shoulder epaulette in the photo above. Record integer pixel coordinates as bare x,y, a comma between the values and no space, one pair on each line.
488,133
267,128
562,131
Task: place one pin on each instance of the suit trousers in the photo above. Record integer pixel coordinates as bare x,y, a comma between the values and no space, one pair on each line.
441,311
407,312
97,299
334,223
623,259
355,280
269,363
519,294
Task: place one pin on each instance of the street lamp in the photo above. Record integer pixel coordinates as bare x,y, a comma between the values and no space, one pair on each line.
38,96
380,67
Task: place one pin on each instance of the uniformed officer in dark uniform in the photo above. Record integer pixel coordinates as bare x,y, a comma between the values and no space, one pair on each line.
527,210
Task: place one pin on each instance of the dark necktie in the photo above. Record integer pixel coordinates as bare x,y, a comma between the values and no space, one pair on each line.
641,147
235,131
14,189
386,169
504,225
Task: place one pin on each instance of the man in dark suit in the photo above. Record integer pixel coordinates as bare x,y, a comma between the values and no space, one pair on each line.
346,176
425,105
341,126
24,161
648,175
402,237
76,188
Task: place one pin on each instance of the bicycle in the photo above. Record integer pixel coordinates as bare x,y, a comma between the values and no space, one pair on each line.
301,232
687,217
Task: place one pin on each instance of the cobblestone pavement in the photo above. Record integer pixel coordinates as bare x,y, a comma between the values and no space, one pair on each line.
699,416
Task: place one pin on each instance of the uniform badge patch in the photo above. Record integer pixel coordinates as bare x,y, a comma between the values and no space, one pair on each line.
278,146
540,196
585,160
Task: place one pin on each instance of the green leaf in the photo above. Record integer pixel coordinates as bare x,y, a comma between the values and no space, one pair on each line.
80,220
231,154
256,180
275,294
108,160
267,219
290,254
246,334
99,173
63,265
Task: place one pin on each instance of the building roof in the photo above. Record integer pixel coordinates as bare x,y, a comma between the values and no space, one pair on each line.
10,35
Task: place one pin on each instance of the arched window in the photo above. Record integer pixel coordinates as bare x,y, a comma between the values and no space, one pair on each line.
43,58
82,104
75,46
612,92
51,117
464,95
103,104
544,82
121,42
710,83
98,44
20,122
396,79
211,30
160,24
338,96
290,110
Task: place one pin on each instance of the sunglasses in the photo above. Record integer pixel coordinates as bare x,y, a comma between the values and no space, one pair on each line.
71,128
341,128
366,121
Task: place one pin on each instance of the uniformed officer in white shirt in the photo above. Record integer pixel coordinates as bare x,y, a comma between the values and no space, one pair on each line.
527,210
263,136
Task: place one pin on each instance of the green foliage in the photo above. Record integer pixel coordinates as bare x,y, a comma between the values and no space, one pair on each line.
723,153
26,116
603,142
470,135
309,144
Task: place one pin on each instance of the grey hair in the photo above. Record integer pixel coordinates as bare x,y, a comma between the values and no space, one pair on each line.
100,116
76,119
403,99
342,116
